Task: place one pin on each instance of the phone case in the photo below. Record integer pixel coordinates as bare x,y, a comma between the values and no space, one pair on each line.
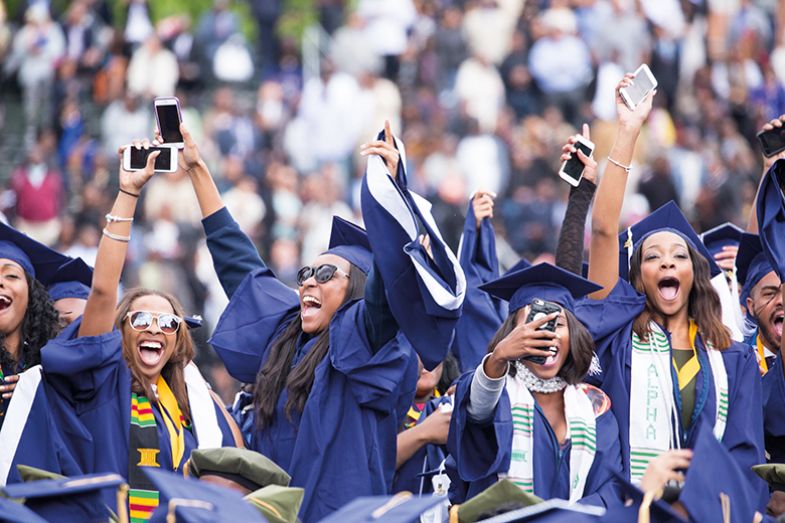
179,114
569,178
538,309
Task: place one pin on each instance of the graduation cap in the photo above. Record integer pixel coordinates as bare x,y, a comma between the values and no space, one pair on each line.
192,501
751,264
721,236
276,503
34,257
11,512
503,495
771,217
350,242
246,467
28,474
551,511
72,280
772,473
667,218
659,511
67,500
400,508
523,263
715,488
544,281
193,322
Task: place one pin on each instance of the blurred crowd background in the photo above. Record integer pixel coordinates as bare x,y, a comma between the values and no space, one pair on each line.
279,94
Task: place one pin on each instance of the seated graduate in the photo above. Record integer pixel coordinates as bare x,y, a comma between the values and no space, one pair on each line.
668,362
333,375
524,413
127,373
761,299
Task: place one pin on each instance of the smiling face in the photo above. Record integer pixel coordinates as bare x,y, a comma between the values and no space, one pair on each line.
14,296
554,363
319,301
666,273
765,305
150,349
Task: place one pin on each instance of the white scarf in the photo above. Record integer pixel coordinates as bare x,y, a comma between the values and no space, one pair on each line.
581,423
655,422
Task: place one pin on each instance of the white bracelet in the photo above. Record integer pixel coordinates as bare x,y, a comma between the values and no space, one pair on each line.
116,237
111,218
626,168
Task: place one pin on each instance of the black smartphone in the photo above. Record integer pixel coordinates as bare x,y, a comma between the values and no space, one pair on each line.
772,142
538,309
571,170
168,116
136,159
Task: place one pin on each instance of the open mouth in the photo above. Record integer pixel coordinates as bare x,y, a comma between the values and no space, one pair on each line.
551,360
309,306
151,352
5,302
668,288
777,322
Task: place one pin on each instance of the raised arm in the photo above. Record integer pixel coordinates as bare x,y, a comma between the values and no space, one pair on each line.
752,223
604,249
569,249
99,314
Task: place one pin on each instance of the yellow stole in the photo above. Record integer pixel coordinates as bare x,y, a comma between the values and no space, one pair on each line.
764,367
689,370
173,419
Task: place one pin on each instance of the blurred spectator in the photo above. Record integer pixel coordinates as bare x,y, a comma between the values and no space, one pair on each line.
138,26
124,121
153,70
351,51
246,205
386,26
323,192
37,48
657,186
483,160
215,27
267,13
82,40
170,197
449,46
38,194
331,14
488,29
285,260
480,89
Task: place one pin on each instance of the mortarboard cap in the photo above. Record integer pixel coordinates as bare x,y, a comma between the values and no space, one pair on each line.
67,500
401,508
192,501
34,257
751,264
246,467
72,280
276,503
667,218
713,481
721,236
544,281
659,510
551,511
193,322
502,495
523,263
350,242
28,473
772,473
771,217
12,512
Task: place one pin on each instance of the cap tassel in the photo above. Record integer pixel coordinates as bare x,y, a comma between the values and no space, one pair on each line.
725,501
122,503
629,246
454,513
396,500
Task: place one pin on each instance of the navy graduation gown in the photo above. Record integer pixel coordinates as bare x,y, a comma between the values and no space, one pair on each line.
92,373
774,412
482,313
482,452
610,321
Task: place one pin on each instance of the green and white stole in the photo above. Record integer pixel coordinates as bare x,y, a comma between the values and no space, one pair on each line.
582,430
655,420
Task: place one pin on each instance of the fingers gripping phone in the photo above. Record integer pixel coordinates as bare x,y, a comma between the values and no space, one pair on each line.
772,141
136,159
571,170
539,309
168,117
642,84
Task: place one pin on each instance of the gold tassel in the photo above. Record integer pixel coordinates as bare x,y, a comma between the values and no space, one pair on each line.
122,503
454,514
725,502
396,500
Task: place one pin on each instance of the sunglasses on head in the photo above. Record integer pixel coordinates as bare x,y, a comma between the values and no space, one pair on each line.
142,320
322,273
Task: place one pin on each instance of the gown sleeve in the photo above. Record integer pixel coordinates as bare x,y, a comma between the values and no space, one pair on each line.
607,464
425,292
482,314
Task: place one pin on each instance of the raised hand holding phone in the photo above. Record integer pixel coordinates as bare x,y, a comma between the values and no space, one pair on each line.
526,339
133,181
577,161
169,118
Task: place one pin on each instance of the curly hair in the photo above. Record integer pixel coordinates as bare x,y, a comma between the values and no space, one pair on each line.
40,324
183,353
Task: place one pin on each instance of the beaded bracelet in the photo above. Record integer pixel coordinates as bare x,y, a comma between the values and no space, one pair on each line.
116,237
111,218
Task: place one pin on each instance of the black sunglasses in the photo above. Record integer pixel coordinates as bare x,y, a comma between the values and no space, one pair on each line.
322,273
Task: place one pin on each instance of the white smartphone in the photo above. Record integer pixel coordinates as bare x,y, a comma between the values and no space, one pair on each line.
643,83
136,159
168,117
571,170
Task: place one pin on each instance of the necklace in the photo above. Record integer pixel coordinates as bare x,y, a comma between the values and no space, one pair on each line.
535,384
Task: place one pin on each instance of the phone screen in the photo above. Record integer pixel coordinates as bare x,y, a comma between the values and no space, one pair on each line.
772,141
139,158
169,123
639,88
574,166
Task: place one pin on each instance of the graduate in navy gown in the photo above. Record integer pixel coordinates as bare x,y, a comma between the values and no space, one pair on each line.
333,375
126,371
534,422
69,289
668,362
